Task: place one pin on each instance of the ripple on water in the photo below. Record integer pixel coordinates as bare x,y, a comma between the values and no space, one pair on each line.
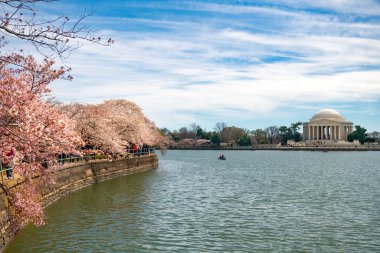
254,201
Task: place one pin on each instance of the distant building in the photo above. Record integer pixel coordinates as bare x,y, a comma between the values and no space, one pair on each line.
327,124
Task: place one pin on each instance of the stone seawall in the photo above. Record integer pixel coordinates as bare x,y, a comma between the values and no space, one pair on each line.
77,176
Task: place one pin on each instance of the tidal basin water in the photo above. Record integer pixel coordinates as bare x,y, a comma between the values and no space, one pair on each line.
261,201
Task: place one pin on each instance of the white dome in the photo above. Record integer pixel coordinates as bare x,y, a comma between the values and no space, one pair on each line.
328,114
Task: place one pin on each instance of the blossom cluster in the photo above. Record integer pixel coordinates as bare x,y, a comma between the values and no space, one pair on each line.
32,132
113,125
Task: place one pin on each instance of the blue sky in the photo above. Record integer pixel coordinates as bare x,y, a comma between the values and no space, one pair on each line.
247,63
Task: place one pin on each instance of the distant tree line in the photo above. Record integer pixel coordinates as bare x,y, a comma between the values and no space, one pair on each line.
222,134
360,134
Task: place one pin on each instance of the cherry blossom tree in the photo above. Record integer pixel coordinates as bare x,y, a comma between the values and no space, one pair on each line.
129,122
32,130
32,133
94,126
114,124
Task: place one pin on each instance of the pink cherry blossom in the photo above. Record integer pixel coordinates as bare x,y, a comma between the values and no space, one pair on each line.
32,133
113,125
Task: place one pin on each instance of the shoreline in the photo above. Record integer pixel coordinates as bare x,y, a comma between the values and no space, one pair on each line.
311,149
75,177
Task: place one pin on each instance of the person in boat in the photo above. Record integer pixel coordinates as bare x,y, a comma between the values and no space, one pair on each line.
222,157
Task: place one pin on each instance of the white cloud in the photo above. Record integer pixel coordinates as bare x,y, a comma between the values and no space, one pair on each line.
227,71
362,7
169,84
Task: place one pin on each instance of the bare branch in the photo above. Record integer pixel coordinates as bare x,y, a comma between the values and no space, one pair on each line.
57,37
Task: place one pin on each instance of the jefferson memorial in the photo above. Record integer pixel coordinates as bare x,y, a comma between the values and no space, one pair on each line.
327,124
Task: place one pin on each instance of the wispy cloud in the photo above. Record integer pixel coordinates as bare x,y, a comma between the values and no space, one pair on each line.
363,7
237,64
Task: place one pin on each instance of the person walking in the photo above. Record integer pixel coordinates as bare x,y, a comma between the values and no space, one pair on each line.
135,150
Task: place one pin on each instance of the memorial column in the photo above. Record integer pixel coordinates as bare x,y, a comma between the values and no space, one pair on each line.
337,133
321,133
328,133
339,128
317,132
345,133
333,132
